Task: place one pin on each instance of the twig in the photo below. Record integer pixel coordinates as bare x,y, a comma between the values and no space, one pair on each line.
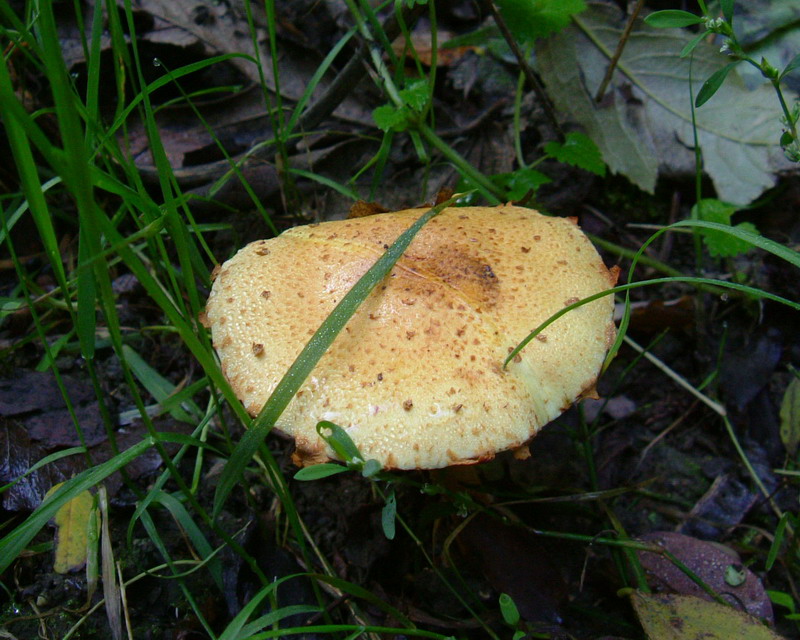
623,39
530,77
716,407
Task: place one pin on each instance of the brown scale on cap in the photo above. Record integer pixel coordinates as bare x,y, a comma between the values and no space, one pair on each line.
470,287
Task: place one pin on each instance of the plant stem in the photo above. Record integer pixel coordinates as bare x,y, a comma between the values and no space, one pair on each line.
490,191
530,77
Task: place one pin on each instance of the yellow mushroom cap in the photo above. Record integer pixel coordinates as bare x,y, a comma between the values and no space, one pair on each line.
416,377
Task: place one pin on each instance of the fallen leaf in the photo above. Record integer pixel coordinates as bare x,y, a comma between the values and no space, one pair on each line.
723,506
36,396
747,365
643,125
18,454
656,316
361,208
676,617
72,521
713,563
423,46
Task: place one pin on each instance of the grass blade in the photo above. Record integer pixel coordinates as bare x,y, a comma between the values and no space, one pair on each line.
310,355
15,542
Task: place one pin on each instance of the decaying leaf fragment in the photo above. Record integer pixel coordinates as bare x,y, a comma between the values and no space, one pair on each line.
718,566
675,617
73,522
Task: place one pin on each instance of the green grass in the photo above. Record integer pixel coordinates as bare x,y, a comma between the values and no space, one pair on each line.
76,179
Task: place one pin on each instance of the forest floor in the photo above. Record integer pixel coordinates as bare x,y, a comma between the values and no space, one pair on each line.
690,447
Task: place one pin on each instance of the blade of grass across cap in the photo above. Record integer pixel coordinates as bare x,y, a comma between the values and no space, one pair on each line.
751,291
775,248
310,355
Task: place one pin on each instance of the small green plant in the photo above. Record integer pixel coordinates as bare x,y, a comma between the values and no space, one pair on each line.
344,447
529,20
510,613
719,244
722,245
408,108
723,26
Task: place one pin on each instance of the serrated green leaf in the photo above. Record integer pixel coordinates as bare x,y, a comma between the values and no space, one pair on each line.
416,94
520,183
532,19
516,185
790,417
719,243
389,118
672,18
733,246
578,150
318,471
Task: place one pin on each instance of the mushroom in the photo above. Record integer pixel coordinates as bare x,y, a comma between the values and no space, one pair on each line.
416,377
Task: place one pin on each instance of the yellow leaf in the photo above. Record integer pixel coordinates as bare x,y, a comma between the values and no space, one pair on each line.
677,617
72,532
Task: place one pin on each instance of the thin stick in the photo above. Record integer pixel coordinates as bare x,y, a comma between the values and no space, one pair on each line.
716,407
530,77
623,39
